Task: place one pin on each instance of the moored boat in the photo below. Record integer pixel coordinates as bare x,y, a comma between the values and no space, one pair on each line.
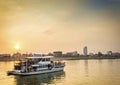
36,65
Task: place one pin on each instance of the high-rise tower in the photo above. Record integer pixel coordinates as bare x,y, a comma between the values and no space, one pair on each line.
85,51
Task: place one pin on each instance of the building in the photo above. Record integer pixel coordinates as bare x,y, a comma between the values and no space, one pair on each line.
91,54
50,54
17,55
109,53
71,54
5,55
57,53
85,51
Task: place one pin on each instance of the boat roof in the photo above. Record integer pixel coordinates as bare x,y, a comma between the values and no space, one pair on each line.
39,57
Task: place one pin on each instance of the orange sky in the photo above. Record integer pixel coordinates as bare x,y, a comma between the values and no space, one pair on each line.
44,26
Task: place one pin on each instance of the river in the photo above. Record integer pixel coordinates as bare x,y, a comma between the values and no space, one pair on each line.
76,72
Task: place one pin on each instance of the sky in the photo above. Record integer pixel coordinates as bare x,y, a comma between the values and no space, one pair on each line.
42,26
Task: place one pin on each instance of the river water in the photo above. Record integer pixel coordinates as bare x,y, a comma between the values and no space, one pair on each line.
76,72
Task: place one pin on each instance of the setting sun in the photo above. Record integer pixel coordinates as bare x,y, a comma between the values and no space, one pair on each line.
17,46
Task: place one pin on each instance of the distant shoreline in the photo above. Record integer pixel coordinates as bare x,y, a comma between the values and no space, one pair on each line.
69,58
84,58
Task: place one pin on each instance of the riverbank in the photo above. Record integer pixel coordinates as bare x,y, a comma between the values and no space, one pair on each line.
68,58
84,58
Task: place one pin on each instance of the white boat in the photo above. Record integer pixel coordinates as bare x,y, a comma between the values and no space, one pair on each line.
36,65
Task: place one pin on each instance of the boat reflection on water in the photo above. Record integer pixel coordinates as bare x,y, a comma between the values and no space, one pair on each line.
42,79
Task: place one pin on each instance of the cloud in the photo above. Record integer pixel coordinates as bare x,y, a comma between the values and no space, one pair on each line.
49,32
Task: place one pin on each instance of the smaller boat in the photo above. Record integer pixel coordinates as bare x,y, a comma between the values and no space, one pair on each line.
37,65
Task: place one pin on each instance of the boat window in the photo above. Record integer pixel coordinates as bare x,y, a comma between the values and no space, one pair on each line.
47,59
40,66
17,67
43,59
39,59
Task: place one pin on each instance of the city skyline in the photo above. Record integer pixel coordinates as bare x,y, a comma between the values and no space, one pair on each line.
43,26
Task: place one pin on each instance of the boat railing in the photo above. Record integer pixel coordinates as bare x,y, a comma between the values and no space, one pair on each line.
59,64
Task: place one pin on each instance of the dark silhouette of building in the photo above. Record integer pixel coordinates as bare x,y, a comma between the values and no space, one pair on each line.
57,53
85,51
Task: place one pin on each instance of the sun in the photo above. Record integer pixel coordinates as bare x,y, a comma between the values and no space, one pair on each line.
17,46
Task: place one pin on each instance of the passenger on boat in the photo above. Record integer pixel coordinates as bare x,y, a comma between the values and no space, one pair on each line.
49,66
30,69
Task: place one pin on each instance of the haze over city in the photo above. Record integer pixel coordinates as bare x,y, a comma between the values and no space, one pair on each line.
44,26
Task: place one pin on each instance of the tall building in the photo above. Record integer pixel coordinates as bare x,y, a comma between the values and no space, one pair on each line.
85,51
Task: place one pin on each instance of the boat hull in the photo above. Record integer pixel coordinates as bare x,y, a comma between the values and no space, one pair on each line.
36,72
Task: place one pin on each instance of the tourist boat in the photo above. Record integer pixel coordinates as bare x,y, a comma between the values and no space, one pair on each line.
37,65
